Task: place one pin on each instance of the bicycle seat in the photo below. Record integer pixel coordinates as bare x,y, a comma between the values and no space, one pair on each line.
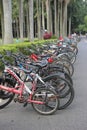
41,63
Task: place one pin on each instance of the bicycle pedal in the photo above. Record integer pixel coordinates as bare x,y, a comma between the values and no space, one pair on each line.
25,104
15,100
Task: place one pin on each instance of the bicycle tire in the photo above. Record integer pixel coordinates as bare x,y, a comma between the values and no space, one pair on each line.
45,97
69,99
61,66
71,56
58,84
69,91
66,63
55,69
75,49
61,73
6,97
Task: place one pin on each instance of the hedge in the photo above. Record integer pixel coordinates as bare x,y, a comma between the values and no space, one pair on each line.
19,46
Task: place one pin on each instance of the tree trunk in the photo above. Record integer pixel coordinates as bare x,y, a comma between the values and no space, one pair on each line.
55,13
48,14
51,22
58,19
2,19
43,20
69,25
31,20
7,18
21,19
39,18
65,20
28,22
66,2
17,27
61,19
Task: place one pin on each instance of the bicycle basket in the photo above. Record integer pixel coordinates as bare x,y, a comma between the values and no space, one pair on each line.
2,67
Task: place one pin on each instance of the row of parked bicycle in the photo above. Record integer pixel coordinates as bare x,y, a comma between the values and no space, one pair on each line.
43,78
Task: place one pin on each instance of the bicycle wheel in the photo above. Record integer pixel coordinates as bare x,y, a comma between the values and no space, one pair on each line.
74,49
60,72
55,69
5,97
66,64
59,84
72,56
64,68
63,88
67,100
50,101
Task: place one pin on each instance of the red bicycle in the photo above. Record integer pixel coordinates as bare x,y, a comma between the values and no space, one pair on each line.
43,99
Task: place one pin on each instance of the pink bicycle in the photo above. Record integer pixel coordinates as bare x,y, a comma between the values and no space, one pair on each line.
43,99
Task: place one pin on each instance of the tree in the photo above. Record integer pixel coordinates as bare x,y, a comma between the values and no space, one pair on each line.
43,13
83,27
31,20
7,22
48,14
77,9
1,16
20,2
38,8
66,2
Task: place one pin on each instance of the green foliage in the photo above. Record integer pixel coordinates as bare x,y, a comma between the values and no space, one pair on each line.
83,27
54,37
77,10
20,46
80,28
85,20
9,59
1,67
14,9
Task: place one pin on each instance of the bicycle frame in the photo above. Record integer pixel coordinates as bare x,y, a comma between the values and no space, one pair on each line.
21,87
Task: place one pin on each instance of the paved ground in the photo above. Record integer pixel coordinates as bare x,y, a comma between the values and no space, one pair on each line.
15,117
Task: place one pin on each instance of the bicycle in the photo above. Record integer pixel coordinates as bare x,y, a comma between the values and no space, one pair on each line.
44,100
63,84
